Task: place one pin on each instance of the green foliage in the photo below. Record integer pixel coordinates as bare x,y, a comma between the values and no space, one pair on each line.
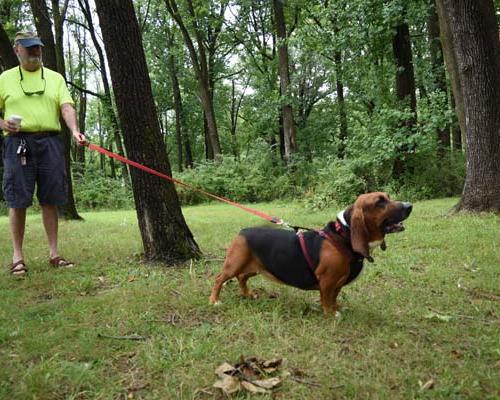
336,184
431,178
94,190
255,177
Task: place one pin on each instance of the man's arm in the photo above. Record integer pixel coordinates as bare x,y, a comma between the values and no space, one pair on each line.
69,115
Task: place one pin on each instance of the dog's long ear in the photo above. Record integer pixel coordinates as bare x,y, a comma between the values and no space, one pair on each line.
359,233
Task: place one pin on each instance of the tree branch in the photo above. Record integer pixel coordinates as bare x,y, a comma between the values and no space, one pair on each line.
79,88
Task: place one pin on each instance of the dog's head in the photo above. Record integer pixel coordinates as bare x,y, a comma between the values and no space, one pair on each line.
371,217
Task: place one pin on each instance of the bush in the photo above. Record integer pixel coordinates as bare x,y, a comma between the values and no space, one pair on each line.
94,190
431,178
337,184
255,177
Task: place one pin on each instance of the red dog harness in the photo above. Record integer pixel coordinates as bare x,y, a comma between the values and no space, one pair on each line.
355,261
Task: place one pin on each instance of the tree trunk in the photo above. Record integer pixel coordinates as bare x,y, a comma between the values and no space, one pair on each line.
450,60
341,103
200,66
473,33
80,150
438,73
43,24
107,100
165,234
289,129
177,98
82,104
8,58
176,93
456,132
405,88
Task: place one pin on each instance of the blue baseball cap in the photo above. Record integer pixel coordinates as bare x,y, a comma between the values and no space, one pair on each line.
27,39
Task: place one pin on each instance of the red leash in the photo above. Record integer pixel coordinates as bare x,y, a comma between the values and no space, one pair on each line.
274,220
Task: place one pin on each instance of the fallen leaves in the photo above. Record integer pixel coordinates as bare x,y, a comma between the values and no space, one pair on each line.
427,385
250,374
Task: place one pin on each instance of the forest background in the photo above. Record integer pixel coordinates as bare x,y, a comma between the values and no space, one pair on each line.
370,99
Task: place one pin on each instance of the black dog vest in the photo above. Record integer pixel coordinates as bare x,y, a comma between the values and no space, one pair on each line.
285,259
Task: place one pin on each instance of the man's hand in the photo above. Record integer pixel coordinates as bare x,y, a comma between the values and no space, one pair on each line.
9,126
79,138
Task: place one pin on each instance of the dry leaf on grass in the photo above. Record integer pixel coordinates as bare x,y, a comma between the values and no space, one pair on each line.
250,374
427,385
228,384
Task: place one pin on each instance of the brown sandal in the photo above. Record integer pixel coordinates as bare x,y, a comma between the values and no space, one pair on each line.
60,262
18,268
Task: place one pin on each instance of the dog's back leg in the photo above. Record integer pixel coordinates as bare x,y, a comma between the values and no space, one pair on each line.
242,280
237,258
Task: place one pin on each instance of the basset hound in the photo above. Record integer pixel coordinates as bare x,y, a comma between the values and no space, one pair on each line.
326,260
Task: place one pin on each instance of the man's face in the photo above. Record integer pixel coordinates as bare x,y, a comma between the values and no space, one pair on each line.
29,56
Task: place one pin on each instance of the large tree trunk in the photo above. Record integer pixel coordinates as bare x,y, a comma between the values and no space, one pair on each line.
54,59
473,33
289,129
43,24
405,87
165,234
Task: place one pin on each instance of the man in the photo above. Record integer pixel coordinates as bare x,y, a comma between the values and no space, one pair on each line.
34,150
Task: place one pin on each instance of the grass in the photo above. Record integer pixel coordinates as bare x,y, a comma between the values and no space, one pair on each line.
427,309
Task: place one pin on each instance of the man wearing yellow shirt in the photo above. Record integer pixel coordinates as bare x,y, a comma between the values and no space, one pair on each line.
32,99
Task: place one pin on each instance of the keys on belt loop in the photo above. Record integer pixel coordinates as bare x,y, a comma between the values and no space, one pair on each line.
22,151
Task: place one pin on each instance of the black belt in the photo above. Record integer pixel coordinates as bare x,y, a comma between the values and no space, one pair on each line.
35,135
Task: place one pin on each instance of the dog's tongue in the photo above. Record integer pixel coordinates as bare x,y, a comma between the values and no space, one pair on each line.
399,227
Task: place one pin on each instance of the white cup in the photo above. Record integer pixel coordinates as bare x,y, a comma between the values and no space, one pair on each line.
16,119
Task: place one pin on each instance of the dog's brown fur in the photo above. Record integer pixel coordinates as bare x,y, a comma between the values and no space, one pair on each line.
367,218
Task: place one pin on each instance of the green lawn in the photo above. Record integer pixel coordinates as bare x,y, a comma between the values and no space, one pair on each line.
425,312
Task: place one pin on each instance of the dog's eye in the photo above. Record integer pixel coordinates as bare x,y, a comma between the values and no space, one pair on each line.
381,202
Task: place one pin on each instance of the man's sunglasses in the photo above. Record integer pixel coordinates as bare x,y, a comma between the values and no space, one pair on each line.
38,92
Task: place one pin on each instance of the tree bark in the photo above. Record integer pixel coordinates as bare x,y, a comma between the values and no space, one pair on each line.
43,24
456,132
289,129
165,234
473,32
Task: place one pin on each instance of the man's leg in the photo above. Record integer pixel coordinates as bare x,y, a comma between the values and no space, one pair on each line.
51,223
17,219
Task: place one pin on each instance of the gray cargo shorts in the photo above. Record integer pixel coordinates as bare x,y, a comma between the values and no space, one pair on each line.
44,167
